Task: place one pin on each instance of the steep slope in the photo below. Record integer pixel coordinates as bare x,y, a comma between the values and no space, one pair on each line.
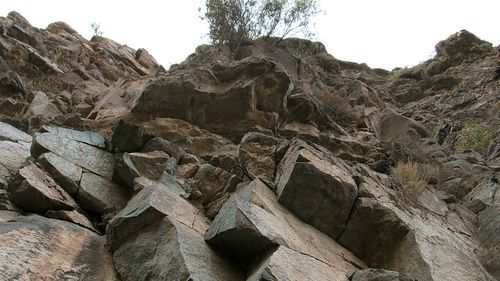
274,162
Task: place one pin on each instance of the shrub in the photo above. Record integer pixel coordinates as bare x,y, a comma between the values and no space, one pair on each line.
233,21
410,179
338,109
476,136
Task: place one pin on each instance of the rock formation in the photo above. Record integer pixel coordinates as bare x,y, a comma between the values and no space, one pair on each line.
272,162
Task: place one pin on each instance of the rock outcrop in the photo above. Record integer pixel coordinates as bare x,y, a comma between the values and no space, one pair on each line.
273,162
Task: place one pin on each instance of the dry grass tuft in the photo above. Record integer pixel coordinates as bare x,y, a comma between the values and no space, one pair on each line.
410,179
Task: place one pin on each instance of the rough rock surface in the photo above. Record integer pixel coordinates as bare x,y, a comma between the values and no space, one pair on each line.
274,162
35,247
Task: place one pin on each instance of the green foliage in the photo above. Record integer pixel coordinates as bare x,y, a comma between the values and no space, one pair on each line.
234,21
476,136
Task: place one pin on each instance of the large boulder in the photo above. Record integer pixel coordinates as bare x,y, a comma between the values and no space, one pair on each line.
159,236
189,137
100,195
38,248
65,173
35,191
317,188
287,264
84,155
227,99
14,150
252,222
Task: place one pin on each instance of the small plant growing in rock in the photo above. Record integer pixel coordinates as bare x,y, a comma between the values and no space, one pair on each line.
410,179
476,136
338,109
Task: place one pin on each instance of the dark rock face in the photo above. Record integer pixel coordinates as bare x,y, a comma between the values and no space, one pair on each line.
489,226
372,231
277,162
318,191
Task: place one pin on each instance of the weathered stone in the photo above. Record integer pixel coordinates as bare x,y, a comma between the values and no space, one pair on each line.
14,150
215,186
286,264
67,174
43,108
252,222
488,232
190,137
257,154
151,165
38,248
229,99
148,206
372,231
128,137
372,274
71,216
389,125
84,155
159,236
98,194
170,250
316,188
6,215
160,144
88,137
38,192
440,242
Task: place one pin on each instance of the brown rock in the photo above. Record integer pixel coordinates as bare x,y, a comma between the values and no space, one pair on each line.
286,264
252,222
81,154
67,174
317,189
100,195
39,193
372,274
35,247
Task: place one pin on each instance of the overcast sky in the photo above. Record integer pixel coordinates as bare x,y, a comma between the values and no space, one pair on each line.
381,33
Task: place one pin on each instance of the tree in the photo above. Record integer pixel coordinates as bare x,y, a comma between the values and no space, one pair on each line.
233,21
96,29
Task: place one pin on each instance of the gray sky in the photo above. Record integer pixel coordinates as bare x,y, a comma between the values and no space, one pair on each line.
381,33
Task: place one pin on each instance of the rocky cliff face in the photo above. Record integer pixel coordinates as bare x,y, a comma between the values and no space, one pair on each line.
271,163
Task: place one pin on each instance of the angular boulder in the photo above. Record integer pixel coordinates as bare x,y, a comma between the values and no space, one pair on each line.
37,192
127,137
252,222
151,165
317,189
148,206
372,231
159,236
67,174
38,248
87,137
86,156
228,99
170,250
100,195
286,264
